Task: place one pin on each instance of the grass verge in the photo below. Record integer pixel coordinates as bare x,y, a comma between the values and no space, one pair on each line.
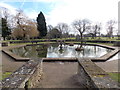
5,75
115,76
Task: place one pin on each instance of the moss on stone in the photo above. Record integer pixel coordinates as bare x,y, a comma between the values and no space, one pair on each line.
5,75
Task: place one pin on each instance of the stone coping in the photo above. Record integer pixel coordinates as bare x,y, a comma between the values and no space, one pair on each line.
7,51
100,78
106,56
99,59
15,57
20,76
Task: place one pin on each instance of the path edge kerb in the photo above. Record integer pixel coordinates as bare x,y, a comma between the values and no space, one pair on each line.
7,51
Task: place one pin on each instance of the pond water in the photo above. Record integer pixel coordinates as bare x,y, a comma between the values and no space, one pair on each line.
117,56
53,51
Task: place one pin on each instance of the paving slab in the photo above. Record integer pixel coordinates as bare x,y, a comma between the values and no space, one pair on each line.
9,64
109,66
60,75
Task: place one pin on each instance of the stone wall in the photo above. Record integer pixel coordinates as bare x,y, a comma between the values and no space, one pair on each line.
26,76
36,77
84,78
89,75
93,76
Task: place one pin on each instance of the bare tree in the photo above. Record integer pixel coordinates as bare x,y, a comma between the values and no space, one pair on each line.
62,27
99,30
20,21
110,28
30,30
54,33
4,13
11,19
81,26
95,30
49,27
25,28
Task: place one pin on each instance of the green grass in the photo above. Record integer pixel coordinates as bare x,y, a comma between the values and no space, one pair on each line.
31,43
88,38
110,44
104,39
115,76
5,75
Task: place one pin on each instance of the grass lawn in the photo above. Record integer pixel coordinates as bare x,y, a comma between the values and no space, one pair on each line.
115,76
87,38
32,43
103,39
110,44
5,75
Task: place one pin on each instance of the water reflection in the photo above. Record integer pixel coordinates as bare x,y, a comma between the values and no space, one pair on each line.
31,51
53,51
116,57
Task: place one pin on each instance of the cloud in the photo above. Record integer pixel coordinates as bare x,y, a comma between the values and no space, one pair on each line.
9,7
69,10
32,15
22,4
31,1
95,10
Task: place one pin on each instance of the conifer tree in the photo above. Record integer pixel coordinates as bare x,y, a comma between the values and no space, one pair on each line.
41,25
5,30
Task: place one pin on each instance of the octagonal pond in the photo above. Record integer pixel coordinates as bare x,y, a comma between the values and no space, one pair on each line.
53,51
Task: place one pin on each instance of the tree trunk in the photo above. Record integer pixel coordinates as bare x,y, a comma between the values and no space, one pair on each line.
81,40
4,38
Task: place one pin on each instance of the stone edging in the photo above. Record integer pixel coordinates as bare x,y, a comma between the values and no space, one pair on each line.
19,78
108,55
91,75
12,55
99,59
95,75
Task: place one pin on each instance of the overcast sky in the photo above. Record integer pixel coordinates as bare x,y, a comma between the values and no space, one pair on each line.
57,11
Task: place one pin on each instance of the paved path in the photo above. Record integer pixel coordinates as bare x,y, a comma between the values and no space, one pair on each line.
60,75
8,64
109,66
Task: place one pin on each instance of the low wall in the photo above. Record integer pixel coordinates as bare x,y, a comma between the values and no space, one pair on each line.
36,77
30,74
25,77
14,56
92,76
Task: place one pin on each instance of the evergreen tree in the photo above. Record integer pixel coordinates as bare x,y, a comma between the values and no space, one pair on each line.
5,30
41,25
